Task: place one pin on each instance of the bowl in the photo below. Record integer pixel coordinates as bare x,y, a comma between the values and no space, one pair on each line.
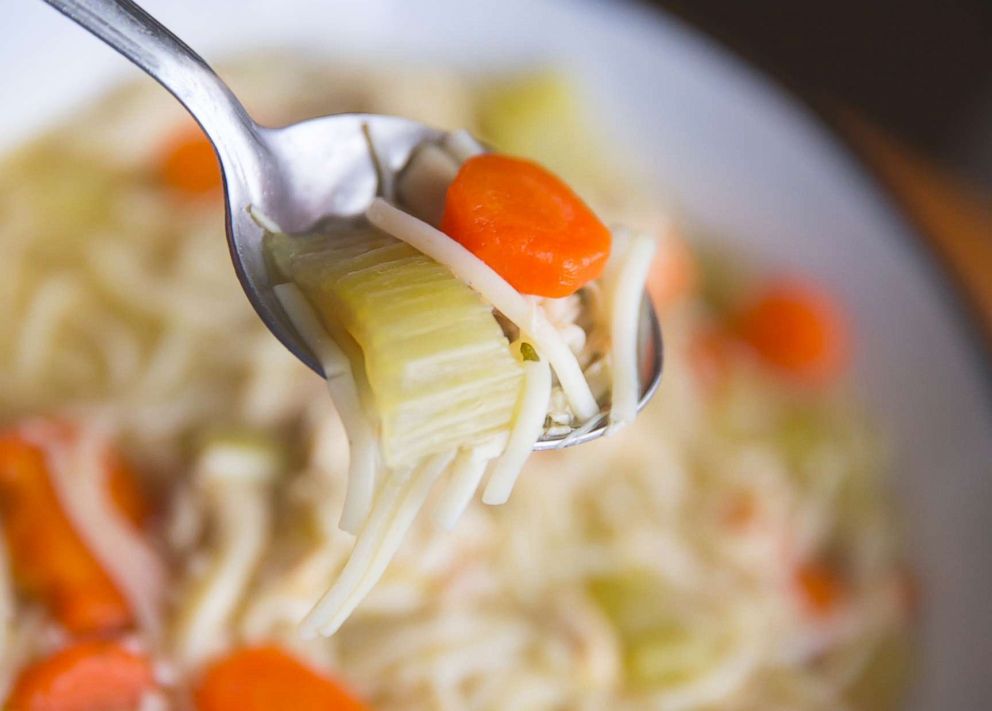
741,159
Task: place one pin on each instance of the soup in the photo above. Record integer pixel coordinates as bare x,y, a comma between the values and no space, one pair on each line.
171,478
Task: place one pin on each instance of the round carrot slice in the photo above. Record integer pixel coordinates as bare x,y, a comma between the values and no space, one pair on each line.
266,678
526,224
188,164
95,675
797,329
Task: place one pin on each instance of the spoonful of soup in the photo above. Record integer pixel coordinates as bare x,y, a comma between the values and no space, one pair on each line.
510,225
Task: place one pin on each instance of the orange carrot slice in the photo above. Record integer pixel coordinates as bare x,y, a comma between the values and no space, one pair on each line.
188,164
797,329
94,675
820,587
267,678
526,224
48,558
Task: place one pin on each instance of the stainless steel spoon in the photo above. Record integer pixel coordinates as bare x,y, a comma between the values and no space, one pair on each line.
296,174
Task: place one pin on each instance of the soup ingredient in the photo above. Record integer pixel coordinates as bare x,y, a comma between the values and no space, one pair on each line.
188,164
79,466
363,447
526,224
94,675
234,475
797,329
542,116
438,365
49,559
416,353
820,587
269,679
528,425
623,285
692,660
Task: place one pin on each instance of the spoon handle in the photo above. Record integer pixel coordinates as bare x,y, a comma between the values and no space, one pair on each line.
141,38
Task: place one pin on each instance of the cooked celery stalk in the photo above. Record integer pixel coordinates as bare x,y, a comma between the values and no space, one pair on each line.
437,363
541,116
659,651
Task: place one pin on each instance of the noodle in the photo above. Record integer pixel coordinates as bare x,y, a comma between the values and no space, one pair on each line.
527,429
466,474
396,506
235,479
362,449
625,291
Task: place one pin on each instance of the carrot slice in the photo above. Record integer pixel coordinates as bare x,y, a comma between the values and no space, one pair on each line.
797,329
188,164
48,558
821,588
266,678
526,224
126,495
94,675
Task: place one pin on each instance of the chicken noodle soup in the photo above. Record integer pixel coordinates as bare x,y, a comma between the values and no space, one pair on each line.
171,479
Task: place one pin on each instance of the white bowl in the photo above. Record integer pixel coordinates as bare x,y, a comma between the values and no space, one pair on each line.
741,158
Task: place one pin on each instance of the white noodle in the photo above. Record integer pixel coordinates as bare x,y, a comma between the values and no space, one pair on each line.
528,423
120,348
381,535
507,300
235,479
625,291
362,447
263,220
462,145
477,655
169,362
466,473
52,304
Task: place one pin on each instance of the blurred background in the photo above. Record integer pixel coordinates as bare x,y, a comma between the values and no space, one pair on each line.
907,83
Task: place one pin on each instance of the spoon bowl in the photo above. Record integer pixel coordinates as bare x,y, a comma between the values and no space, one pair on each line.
297,174
311,170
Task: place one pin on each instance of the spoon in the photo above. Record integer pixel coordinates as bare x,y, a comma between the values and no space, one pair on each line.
296,174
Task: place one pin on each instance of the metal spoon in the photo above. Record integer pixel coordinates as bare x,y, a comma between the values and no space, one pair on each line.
297,174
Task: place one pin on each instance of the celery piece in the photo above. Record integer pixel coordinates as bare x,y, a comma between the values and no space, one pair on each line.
540,116
660,648
438,366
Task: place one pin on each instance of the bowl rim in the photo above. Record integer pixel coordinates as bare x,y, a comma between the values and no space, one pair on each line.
918,239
